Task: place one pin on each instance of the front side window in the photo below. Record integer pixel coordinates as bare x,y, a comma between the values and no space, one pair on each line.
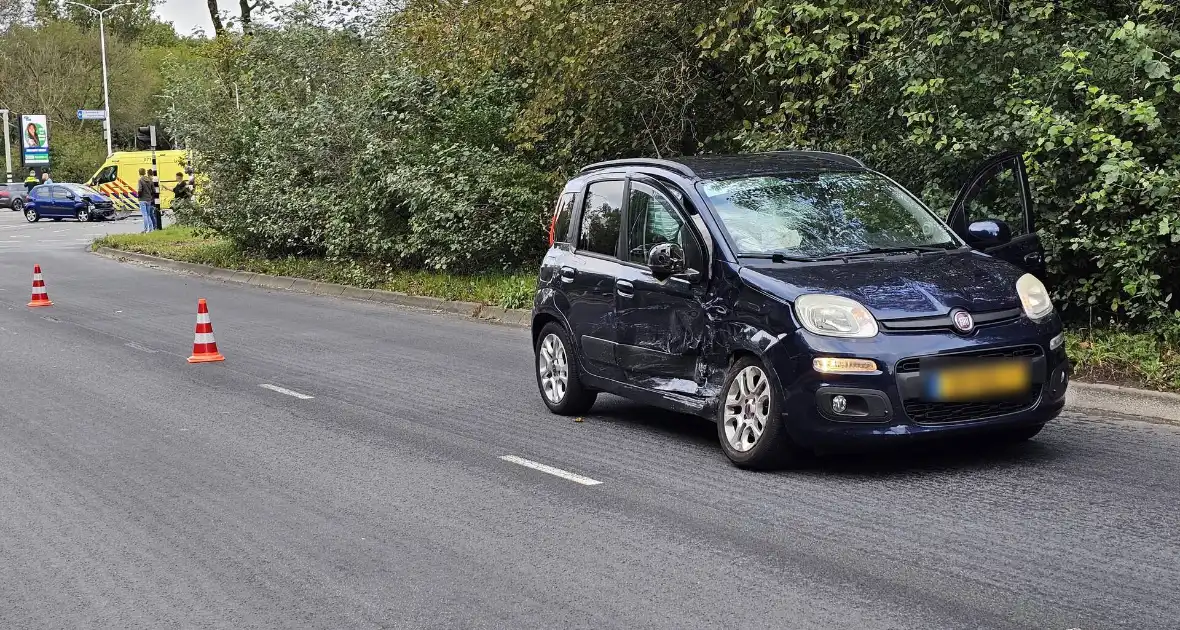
997,195
106,175
601,216
653,220
822,214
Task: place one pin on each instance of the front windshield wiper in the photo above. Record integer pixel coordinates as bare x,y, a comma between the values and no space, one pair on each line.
780,257
909,249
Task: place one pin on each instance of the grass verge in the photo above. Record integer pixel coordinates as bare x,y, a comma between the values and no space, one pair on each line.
1135,359
188,245
1147,360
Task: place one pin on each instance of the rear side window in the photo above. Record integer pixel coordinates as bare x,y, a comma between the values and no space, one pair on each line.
601,216
559,228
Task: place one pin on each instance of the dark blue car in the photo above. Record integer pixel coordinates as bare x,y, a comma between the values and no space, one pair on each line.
802,300
67,201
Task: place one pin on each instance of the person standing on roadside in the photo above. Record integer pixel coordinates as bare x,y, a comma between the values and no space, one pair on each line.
181,190
45,178
146,196
31,181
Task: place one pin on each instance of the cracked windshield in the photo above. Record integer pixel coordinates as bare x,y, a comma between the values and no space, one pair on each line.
822,215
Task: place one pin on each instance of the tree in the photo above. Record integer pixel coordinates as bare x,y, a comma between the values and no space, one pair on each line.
215,13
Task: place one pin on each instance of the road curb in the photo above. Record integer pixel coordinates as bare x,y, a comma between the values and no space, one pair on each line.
1125,401
513,317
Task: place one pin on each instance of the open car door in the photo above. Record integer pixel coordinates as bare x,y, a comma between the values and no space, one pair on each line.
994,214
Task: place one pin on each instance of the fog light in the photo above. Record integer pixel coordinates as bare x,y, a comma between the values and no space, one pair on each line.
839,404
833,365
1057,341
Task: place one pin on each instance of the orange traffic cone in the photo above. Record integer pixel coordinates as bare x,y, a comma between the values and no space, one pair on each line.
40,297
204,346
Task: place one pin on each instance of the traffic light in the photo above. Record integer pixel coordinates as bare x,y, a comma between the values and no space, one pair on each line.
144,137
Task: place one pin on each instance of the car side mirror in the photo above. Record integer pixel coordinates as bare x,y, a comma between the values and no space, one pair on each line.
665,260
989,233
71,196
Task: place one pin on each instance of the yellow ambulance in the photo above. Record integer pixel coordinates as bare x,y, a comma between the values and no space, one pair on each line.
119,176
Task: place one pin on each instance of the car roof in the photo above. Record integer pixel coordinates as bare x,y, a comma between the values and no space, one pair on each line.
745,164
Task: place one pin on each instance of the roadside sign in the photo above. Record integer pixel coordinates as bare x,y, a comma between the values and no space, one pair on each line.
35,138
91,114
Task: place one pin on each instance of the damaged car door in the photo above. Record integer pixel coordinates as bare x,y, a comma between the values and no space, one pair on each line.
659,315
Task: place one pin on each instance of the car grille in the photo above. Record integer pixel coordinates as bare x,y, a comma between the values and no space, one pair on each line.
911,365
924,412
927,412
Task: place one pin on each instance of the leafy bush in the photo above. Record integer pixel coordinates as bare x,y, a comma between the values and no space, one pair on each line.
925,90
350,156
436,139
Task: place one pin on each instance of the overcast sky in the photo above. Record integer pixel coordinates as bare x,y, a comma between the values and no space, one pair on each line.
193,15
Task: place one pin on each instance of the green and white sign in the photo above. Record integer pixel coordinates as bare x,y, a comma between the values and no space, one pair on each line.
35,138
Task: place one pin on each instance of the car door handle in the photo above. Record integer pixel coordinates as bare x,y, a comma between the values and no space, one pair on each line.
567,274
624,288
1034,258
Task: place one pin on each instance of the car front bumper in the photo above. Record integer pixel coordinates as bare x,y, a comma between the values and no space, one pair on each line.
887,406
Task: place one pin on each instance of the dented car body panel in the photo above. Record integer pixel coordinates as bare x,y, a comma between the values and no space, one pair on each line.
667,336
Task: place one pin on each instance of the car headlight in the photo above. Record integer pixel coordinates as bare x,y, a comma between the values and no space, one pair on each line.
835,316
1034,297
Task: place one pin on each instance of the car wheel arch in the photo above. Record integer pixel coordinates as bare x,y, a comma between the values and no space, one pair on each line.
540,320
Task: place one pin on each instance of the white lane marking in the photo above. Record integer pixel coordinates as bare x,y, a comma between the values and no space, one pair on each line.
284,390
557,472
19,236
135,346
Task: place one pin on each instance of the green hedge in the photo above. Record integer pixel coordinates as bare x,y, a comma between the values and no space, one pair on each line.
436,138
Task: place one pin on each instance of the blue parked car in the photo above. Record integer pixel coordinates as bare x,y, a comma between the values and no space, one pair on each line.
67,201
802,301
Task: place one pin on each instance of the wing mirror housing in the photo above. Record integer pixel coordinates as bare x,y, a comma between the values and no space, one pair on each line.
666,260
989,233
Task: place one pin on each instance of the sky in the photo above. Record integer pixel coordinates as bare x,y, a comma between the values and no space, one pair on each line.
193,15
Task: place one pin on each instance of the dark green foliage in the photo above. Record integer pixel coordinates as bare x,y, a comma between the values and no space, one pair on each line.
437,138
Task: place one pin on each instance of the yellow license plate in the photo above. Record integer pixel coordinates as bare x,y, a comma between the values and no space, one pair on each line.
980,382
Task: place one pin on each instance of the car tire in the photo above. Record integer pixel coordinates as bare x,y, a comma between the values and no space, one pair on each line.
558,377
749,419
31,215
18,205
1017,435
83,215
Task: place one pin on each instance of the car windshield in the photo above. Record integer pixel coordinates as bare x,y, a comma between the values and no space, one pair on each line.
82,190
823,214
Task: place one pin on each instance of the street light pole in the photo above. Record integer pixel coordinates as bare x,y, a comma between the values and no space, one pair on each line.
102,36
106,94
7,149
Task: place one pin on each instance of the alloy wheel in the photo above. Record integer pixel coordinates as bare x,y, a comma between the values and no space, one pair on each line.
747,408
553,368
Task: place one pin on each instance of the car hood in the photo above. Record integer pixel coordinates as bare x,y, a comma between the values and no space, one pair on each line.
97,198
898,287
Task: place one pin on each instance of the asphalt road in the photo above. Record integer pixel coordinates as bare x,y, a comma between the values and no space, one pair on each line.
137,491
